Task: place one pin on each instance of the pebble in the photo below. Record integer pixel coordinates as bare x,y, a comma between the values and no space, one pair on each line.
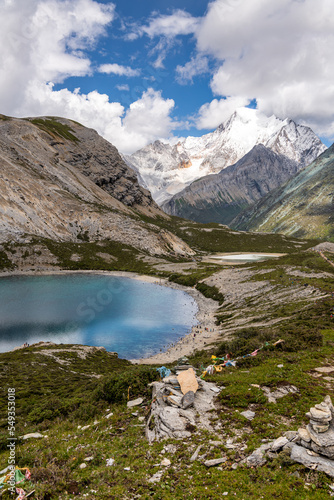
82,466
156,477
215,461
135,402
165,462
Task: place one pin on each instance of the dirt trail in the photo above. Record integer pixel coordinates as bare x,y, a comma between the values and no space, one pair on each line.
326,258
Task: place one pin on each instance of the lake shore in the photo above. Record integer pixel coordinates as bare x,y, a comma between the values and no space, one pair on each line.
201,335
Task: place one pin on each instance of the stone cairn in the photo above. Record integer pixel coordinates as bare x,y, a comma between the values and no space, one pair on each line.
312,446
181,402
319,434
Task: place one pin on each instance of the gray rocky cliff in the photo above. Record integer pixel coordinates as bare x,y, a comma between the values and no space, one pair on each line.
220,197
61,181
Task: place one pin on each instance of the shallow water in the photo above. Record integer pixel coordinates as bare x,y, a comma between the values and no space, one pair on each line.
134,318
247,257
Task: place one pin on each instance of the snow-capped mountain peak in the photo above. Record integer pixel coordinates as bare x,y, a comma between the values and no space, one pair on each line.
166,169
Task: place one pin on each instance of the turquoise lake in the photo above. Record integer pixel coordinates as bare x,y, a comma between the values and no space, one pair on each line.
133,318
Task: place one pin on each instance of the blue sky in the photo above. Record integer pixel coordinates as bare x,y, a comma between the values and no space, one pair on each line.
141,71
141,54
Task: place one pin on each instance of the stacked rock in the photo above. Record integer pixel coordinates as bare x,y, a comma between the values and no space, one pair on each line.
313,447
319,434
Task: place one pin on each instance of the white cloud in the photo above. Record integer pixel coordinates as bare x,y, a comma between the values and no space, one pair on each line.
167,28
279,53
196,66
178,23
117,69
212,114
43,40
124,87
146,119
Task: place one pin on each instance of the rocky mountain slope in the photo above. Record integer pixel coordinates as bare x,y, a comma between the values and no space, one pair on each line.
220,197
303,207
166,169
62,181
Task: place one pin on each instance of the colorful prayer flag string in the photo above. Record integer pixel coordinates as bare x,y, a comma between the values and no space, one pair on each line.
227,361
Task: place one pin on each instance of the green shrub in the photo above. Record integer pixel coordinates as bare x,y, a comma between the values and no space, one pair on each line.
133,383
241,395
211,292
51,125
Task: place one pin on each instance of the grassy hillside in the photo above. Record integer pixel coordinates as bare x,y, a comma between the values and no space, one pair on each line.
303,207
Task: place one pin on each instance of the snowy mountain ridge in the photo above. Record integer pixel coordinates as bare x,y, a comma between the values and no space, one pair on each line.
166,169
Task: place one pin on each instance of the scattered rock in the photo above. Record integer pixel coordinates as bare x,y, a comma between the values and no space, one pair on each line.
89,459
156,477
109,415
82,466
85,427
135,402
280,392
195,455
248,414
170,448
216,389
32,435
257,458
216,443
325,369
215,461
165,462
